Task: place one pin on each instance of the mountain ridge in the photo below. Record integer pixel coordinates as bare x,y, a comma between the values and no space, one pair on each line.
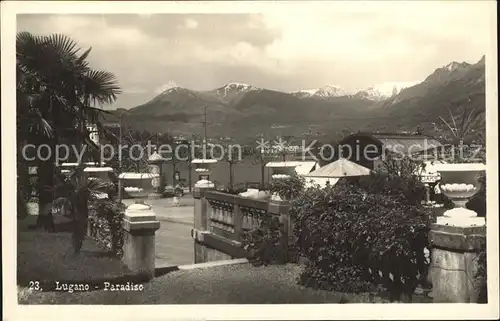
243,110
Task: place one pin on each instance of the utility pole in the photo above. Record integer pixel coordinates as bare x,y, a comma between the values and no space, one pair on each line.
205,131
190,165
120,160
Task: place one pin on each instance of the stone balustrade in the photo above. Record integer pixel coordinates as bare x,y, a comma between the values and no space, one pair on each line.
221,219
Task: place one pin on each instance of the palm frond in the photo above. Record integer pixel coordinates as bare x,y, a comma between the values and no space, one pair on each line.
64,45
101,86
108,134
82,59
35,123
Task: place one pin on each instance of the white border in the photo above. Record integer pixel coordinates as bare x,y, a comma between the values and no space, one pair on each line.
221,312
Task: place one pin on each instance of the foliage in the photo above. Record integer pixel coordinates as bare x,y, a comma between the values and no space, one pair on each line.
231,154
397,177
466,121
463,153
263,243
105,220
349,236
80,190
289,187
478,202
481,275
58,93
135,159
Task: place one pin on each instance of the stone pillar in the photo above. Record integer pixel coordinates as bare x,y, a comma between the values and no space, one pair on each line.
200,219
140,225
280,208
454,262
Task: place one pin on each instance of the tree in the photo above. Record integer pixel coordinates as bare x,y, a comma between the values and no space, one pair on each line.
259,156
135,155
57,94
465,121
231,154
79,190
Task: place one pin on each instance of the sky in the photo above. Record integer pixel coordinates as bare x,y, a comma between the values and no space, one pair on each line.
286,47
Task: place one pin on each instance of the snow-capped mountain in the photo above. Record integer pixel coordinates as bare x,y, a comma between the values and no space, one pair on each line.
371,93
172,90
167,86
234,88
324,92
374,93
176,91
330,91
243,111
383,91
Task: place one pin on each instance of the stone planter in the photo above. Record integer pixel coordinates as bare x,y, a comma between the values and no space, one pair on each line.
459,182
137,185
203,168
457,238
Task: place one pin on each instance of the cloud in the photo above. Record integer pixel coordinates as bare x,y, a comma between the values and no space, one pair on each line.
374,31
135,90
190,24
164,87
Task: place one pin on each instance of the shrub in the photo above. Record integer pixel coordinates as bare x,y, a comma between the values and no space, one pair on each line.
397,177
263,243
289,187
481,275
478,202
353,238
105,219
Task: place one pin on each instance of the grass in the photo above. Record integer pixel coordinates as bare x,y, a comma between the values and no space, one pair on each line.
48,257
233,284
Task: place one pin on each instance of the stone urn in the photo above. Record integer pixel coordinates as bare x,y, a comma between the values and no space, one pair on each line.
459,182
457,238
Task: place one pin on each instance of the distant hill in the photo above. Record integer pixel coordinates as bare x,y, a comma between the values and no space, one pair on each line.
243,111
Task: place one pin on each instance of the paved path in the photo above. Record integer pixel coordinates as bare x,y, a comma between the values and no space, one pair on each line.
231,284
174,245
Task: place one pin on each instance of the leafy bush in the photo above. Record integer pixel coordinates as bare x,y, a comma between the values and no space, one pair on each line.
481,275
289,187
105,219
397,177
263,243
353,239
478,202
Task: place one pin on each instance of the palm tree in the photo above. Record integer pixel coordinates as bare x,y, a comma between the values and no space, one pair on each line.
57,93
468,119
79,190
